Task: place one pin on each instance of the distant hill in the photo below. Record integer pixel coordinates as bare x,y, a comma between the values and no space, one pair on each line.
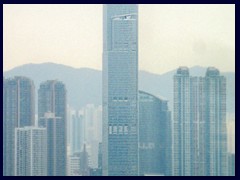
84,85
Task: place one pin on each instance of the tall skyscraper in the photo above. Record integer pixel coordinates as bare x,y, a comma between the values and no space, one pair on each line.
30,151
181,124
76,132
56,162
18,111
199,124
120,89
92,135
52,100
216,128
154,135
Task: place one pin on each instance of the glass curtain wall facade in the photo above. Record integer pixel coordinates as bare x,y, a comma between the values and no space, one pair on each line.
154,135
120,89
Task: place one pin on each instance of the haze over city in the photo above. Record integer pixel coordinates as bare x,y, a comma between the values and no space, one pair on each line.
169,36
119,90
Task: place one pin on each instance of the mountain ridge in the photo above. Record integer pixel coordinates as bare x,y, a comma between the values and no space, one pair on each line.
84,85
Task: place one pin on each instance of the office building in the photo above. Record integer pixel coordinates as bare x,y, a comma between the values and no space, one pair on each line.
120,90
154,135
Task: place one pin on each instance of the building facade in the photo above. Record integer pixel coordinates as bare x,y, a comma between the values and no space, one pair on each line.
30,151
18,111
56,163
120,89
199,124
84,162
74,165
76,132
231,164
92,120
154,135
181,124
216,128
52,110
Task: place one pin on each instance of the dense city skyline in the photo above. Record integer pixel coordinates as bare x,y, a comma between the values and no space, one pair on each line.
148,110
198,34
130,132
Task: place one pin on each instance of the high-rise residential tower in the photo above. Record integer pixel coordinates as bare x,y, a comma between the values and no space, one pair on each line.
199,124
76,132
18,111
56,163
92,119
216,128
154,135
120,89
52,115
30,151
181,124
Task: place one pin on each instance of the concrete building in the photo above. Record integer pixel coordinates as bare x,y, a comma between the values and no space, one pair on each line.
74,165
56,162
52,109
199,124
181,124
30,151
76,132
18,111
216,128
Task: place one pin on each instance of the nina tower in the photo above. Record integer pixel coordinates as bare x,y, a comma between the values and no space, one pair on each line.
120,90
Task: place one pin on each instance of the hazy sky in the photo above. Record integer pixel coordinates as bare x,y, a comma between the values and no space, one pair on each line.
169,36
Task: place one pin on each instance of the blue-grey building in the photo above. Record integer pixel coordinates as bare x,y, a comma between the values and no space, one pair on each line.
181,124
76,132
18,111
154,135
30,151
231,164
120,89
56,162
216,128
199,124
52,101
